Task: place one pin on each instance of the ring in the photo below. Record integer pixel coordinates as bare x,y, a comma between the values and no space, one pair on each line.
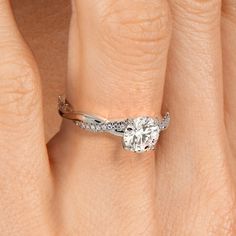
139,134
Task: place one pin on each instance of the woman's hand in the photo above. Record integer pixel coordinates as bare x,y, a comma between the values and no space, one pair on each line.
126,58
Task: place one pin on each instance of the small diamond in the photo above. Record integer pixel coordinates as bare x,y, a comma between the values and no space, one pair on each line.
104,127
87,126
122,126
118,127
82,125
165,122
109,126
77,122
93,128
98,127
141,134
115,124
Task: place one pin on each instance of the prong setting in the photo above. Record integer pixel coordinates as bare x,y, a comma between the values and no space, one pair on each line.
141,134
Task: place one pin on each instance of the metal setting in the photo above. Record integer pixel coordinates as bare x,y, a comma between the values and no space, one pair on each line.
139,134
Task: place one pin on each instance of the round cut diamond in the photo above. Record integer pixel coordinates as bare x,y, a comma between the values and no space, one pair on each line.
141,134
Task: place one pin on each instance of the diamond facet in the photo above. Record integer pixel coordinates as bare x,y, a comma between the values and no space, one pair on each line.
141,134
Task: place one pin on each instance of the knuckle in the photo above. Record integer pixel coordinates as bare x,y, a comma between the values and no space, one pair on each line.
19,85
205,12
199,5
135,30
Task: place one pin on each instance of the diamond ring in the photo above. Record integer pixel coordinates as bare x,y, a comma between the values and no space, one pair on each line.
139,134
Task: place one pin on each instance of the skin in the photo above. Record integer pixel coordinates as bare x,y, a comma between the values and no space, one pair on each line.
125,58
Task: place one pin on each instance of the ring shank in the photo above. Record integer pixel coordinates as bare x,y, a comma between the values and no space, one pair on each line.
99,124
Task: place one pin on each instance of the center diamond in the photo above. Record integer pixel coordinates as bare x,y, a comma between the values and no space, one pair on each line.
141,134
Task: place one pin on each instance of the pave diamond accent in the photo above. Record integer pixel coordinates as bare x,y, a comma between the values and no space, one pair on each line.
164,123
119,126
141,134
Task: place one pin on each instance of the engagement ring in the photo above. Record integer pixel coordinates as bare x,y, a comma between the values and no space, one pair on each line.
139,134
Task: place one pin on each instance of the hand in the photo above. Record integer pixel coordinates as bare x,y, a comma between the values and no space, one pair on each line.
126,58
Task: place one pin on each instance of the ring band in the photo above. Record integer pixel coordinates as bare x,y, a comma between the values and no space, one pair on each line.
139,134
